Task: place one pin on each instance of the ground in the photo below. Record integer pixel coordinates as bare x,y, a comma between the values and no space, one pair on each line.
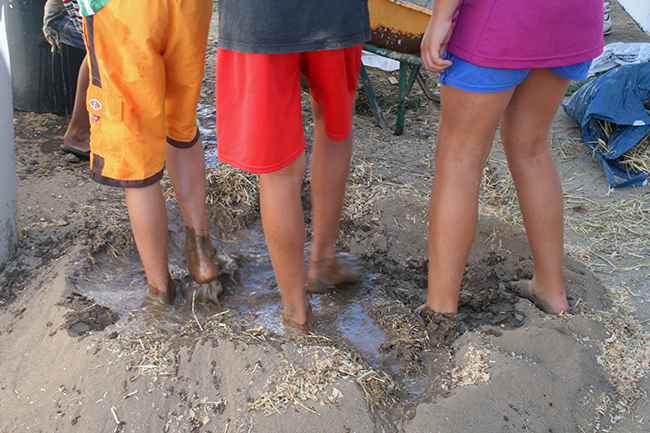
82,350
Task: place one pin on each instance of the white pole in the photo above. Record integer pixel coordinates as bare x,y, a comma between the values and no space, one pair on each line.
8,195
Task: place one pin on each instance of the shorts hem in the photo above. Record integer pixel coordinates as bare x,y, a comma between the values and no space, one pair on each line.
574,77
262,169
335,137
184,144
476,89
108,181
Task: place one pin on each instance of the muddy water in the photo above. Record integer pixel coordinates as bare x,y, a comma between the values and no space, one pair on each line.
120,284
250,290
206,120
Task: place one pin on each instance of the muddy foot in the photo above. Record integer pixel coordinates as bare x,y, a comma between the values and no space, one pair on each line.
203,293
292,328
329,273
526,290
199,256
165,295
442,328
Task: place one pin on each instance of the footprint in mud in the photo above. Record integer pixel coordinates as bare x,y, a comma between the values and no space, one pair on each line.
485,300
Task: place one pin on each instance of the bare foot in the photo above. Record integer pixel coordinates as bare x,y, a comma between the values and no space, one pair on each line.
423,309
199,255
442,328
303,328
326,274
528,289
203,293
78,140
166,295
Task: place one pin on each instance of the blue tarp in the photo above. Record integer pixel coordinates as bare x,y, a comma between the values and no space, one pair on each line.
617,97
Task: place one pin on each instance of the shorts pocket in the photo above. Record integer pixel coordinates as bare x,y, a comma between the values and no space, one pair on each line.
108,133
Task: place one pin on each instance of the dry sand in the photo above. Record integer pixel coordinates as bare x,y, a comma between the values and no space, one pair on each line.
78,351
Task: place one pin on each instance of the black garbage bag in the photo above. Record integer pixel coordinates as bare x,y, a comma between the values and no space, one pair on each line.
617,97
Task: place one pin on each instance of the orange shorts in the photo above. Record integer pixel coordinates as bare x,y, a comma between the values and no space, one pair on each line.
259,112
146,68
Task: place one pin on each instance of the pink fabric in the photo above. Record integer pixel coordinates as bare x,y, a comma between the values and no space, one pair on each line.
527,34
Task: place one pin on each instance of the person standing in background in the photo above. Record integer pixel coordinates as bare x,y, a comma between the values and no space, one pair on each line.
62,24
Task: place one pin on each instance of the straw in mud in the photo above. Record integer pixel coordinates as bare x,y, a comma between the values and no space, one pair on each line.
150,356
472,368
226,186
321,367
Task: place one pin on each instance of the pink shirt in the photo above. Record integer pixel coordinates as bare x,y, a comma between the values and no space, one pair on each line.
527,34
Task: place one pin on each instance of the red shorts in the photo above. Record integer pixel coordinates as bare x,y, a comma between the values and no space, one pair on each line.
259,111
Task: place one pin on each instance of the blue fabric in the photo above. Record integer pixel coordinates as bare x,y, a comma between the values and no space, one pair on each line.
68,33
471,78
617,97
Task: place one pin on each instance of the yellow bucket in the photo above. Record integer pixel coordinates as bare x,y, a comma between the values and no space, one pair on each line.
398,25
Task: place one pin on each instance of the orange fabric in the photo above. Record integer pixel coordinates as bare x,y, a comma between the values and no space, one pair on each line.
146,65
259,111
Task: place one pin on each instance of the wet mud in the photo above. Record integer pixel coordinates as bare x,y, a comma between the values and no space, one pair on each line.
86,316
373,319
196,366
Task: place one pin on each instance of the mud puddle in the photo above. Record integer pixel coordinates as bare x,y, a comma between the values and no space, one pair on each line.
373,319
206,117
250,289
359,318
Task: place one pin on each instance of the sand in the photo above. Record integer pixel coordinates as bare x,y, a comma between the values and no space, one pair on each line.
81,351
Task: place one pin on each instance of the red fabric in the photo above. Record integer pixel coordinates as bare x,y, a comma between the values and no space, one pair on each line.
259,112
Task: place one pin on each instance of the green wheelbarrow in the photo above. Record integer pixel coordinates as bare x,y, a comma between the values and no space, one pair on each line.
409,72
397,27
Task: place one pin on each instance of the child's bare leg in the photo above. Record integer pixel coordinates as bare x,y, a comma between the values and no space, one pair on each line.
148,216
465,135
77,135
186,168
284,228
330,167
524,130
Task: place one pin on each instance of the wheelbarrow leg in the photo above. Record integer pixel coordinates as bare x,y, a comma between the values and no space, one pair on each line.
405,87
372,98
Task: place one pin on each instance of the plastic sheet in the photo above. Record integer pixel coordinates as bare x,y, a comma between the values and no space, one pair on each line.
617,97
618,54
